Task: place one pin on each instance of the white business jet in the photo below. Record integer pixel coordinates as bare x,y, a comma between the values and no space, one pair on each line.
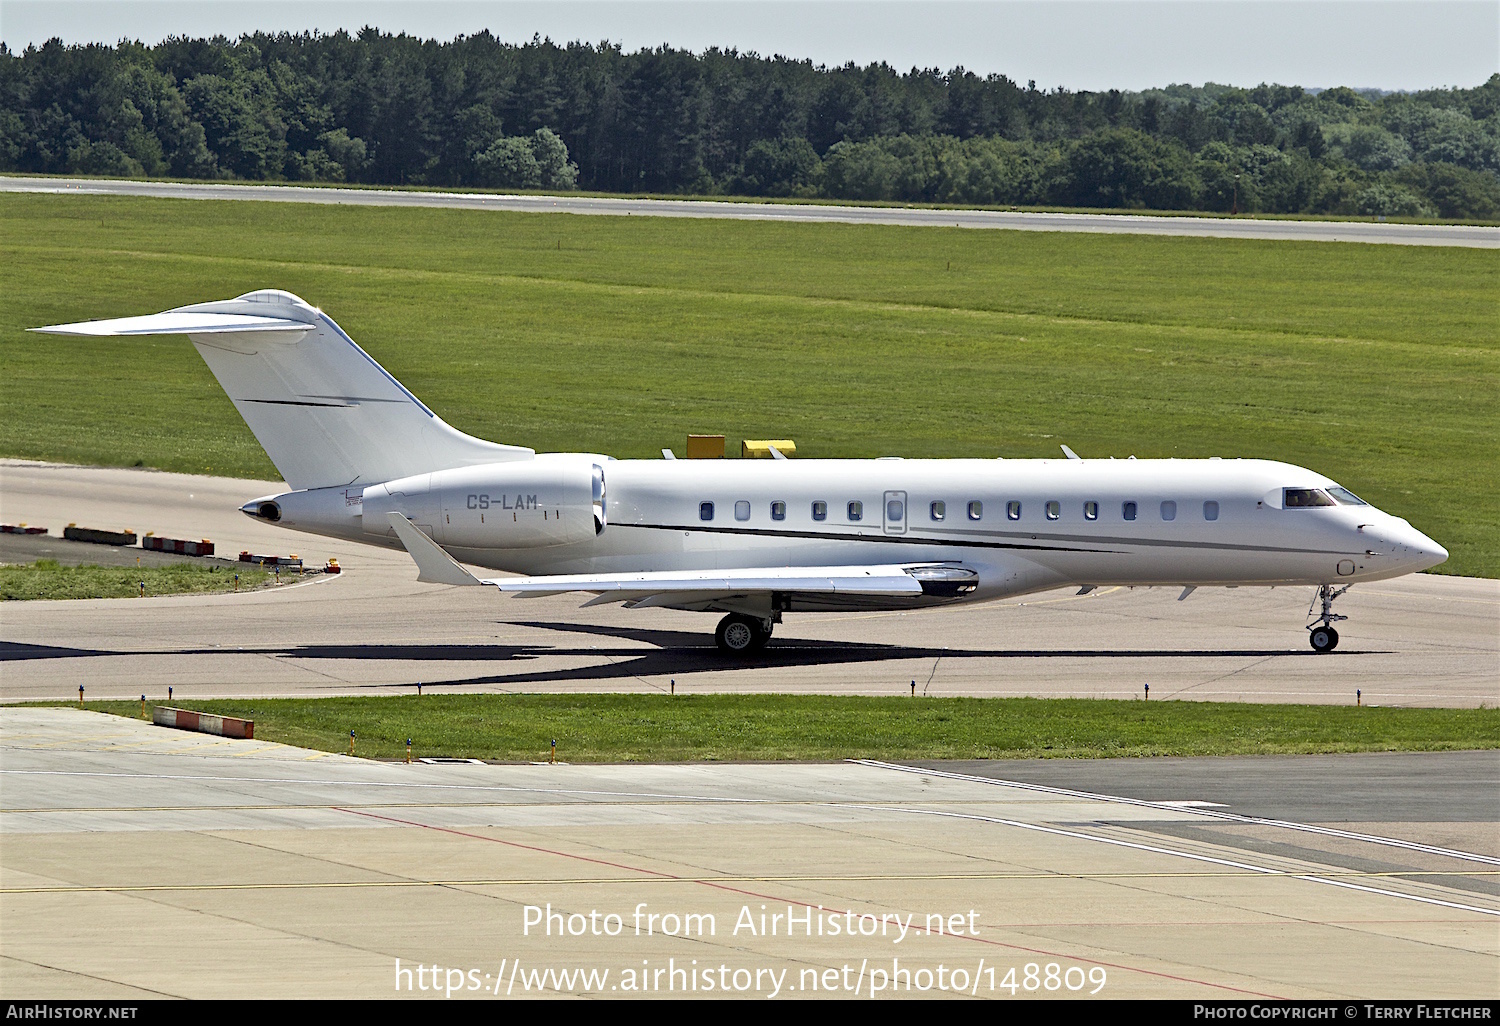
755,539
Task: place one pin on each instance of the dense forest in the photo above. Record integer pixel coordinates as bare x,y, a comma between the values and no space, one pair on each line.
476,111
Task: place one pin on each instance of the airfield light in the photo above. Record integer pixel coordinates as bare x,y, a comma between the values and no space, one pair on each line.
80,696
169,692
408,751
674,685
1358,696
1148,691
143,707
554,749
351,742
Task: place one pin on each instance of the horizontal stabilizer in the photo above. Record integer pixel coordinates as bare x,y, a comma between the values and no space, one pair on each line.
175,322
434,566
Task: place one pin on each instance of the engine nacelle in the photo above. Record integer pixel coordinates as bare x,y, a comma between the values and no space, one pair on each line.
525,504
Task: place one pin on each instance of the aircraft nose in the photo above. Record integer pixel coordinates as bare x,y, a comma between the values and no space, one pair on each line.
1415,548
1432,554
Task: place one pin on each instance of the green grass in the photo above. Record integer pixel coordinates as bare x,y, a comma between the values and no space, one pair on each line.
47,579
1376,365
659,728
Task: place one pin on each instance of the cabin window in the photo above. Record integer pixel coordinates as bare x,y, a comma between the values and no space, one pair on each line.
856,510
1345,497
1013,510
976,510
1091,511
1299,498
778,511
1210,510
1168,509
1127,510
1054,509
705,511
938,510
742,510
820,510
895,511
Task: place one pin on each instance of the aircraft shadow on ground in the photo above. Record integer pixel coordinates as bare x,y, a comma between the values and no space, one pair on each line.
672,653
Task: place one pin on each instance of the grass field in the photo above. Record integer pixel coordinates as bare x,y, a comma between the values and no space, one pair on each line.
47,579
1377,365
659,728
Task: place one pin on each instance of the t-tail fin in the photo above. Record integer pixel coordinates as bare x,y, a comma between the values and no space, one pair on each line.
324,411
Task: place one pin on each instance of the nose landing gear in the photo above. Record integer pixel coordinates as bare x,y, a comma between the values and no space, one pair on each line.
1320,632
738,634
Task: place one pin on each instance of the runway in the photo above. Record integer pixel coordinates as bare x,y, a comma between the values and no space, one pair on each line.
1420,640
140,861
1124,224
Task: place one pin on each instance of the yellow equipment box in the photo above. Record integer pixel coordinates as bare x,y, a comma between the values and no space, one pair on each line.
761,449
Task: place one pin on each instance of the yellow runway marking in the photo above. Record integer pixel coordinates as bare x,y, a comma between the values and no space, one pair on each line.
80,740
1397,594
633,880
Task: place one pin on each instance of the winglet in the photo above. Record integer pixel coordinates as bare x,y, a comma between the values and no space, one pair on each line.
1071,454
434,566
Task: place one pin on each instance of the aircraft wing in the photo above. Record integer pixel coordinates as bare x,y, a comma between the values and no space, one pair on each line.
662,587
635,587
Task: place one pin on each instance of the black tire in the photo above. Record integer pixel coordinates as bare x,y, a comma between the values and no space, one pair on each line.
738,635
1324,639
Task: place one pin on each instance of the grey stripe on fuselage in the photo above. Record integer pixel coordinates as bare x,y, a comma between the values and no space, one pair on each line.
965,539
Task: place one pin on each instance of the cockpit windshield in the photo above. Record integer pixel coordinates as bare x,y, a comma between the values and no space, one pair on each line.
1301,498
1345,497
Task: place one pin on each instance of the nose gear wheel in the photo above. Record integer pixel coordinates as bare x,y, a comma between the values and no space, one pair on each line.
1320,632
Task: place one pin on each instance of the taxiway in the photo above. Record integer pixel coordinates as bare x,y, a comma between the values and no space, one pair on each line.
1120,224
1419,640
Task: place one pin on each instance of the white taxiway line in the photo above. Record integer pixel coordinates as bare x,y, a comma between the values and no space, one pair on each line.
1231,817
1159,850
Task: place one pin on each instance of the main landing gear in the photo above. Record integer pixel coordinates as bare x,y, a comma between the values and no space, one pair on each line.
1320,632
738,634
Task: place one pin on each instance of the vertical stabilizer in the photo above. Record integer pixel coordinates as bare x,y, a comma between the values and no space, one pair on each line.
325,412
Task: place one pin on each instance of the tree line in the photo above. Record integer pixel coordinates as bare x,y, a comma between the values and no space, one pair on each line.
475,111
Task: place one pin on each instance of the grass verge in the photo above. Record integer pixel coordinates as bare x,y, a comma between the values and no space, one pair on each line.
684,728
48,579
